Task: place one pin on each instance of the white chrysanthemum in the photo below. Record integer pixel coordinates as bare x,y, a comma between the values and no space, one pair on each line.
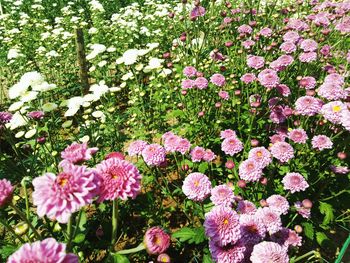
99,89
13,53
17,121
16,106
96,6
32,78
74,105
154,63
29,96
96,49
18,89
129,57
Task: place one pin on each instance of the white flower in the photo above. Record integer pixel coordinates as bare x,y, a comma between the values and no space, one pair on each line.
99,89
44,86
74,105
47,107
93,30
13,53
127,76
32,78
17,120
129,57
18,89
96,49
29,96
96,6
102,63
16,106
29,134
154,63
19,134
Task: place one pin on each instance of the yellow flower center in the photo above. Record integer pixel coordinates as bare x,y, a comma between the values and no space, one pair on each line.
63,182
336,108
259,154
196,183
225,221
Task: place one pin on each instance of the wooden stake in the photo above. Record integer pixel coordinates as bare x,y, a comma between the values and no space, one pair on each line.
83,68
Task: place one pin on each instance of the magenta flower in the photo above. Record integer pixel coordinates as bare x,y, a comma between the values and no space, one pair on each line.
36,115
270,219
197,154
48,250
227,134
230,253
120,179
154,154
252,228
266,32
222,226
278,203
201,83
308,45
197,11
288,47
248,78
321,142
331,91
136,147
308,106
196,187
250,170
189,71
345,119
171,142
294,182
307,82
261,155
224,95
222,195
59,196
218,80
268,78
6,190
183,146
266,252
286,237
282,151
283,89
277,138
156,240
291,36
334,78
5,117
308,57
298,135
245,29
77,153
246,207
187,84
255,62
231,146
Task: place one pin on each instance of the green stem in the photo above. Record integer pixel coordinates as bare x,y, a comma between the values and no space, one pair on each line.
132,250
70,233
114,223
24,185
24,218
295,216
312,252
343,250
77,223
9,228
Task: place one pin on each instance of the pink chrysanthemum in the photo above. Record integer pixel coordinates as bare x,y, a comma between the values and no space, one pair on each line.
308,57
197,11
294,182
301,210
197,154
231,146
334,78
224,95
291,36
286,237
187,84
120,179
277,114
77,153
246,207
59,196
268,78
307,82
297,24
266,32
247,44
248,78
332,111
227,134
163,258
278,203
250,170
321,142
245,29
288,47
261,155
266,252
222,195
196,186
282,151
48,250
230,253
308,45
183,146
283,89
222,226
345,119
136,147
252,228
189,71
201,83
218,80
277,138
209,155
331,91
154,154
167,134
171,142
255,62
156,240
6,190
308,106
340,169
282,61
270,218
298,135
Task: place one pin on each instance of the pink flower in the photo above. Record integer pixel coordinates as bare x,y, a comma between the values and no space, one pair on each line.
297,24
209,155
288,47
218,80
252,228
308,45
303,211
231,146
248,78
298,135
283,89
136,147
120,179
334,78
261,155
266,32
77,153
153,154
247,44
183,146
308,106
332,111
48,250
270,219
278,203
246,207
255,62
321,142
282,151
245,29
268,78
307,82
222,195
286,237
230,253
224,95
308,57
277,138
291,36
197,154
345,119
6,190
156,240
36,115
227,134
171,142
196,186
189,71
197,11
163,258
201,83
331,91
250,170
222,226
266,252
294,182
117,155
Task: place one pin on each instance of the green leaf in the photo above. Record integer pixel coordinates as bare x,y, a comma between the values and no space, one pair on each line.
327,210
190,235
7,250
79,238
207,259
321,238
203,167
120,258
308,230
82,222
